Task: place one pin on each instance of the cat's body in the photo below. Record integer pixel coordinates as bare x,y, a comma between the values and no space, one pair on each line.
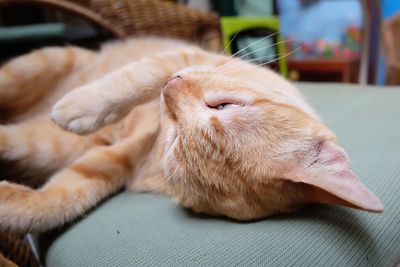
227,138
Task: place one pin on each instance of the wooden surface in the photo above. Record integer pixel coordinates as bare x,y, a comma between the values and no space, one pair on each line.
334,70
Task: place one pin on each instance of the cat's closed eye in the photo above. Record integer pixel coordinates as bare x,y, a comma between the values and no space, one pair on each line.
223,105
223,102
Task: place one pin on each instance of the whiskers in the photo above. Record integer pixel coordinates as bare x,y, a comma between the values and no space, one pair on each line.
243,57
256,42
229,66
226,47
234,68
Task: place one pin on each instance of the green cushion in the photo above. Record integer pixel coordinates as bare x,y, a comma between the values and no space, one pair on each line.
133,229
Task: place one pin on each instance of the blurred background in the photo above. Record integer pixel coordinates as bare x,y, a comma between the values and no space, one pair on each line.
350,41
339,41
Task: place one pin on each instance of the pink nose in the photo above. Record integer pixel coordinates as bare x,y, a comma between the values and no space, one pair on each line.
172,83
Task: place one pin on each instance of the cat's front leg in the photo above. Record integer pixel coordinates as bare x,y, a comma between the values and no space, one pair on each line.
107,100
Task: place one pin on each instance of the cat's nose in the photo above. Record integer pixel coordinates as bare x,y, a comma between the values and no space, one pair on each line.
172,83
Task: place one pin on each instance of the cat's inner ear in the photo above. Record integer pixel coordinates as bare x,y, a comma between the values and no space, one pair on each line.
328,178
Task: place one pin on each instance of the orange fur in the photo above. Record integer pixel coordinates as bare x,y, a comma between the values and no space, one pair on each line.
225,137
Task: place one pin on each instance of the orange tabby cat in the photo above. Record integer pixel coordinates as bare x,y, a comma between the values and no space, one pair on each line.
219,135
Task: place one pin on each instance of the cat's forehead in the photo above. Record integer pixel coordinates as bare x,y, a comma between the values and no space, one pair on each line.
213,76
215,84
220,94
203,69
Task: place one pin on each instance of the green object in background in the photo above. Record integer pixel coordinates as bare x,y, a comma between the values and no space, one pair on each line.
32,32
132,229
233,25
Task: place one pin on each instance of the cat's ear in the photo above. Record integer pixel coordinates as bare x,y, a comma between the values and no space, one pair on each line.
329,179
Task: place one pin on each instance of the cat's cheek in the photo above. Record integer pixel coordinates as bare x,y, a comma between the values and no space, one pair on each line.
237,119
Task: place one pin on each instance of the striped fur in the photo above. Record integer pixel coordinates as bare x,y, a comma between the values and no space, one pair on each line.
218,135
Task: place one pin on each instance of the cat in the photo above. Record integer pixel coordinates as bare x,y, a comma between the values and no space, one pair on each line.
219,135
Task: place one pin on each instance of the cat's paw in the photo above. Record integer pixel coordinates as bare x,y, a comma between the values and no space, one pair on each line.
78,114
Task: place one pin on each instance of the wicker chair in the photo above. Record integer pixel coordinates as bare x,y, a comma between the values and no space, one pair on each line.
391,44
14,249
123,18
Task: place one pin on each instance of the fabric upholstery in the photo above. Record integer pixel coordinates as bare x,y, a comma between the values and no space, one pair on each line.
132,229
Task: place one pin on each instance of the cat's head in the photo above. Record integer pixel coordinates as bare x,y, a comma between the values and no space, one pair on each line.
239,149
